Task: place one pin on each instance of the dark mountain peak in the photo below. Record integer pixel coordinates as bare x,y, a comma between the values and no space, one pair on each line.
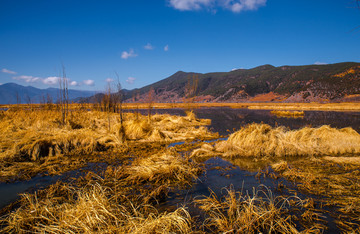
12,85
264,67
12,93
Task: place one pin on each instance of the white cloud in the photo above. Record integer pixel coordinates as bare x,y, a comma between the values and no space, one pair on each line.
130,54
148,46
109,80
235,6
4,70
27,79
74,83
89,82
188,5
244,5
166,48
51,80
320,63
130,80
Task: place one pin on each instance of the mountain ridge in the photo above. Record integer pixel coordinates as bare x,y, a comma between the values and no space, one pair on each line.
339,82
305,83
12,93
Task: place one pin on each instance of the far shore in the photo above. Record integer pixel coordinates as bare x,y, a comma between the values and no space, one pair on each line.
343,106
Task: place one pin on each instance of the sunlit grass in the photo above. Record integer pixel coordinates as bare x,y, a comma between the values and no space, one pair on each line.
261,212
288,114
262,140
93,208
335,181
40,136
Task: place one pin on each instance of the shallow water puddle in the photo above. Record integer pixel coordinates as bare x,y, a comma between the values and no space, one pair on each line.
9,192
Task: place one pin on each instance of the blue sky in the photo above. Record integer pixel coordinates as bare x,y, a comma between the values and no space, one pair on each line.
145,41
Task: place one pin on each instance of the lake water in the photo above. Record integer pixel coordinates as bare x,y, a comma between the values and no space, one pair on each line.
225,120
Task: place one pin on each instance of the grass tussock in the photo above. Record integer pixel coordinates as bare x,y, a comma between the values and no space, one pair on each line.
261,212
261,140
288,114
37,136
90,209
165,168
167,128
32,135
118,200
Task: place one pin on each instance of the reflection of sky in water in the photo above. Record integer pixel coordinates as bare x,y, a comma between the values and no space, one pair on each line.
9,191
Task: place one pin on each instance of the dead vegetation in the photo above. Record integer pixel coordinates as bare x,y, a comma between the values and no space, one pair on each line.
165,168
335,182
40,136
93,208
125,197
257,213
288,114
121,200
262,140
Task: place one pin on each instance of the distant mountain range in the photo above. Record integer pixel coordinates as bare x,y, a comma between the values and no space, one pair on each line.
11,93
310,83
318,83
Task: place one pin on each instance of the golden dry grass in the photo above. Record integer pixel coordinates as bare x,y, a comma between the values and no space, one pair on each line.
163,168
261,212
118,201
288,114
92,209
344,160
335,180
261,140
344,106
31,135
40,137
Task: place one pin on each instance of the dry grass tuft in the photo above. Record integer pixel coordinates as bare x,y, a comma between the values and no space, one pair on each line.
239,213
344,160
37,136
93,208
33,135
261,140
288,114
166,168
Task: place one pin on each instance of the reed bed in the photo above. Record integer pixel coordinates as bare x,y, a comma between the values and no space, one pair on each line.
39,137
166,168
288,114
32,135
342,106
262,140
345,106
91,209
335,181
118,200
257,213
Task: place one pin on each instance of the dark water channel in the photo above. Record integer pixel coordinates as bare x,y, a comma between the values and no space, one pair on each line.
218,173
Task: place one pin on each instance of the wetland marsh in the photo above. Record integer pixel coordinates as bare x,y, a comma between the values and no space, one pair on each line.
214,169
